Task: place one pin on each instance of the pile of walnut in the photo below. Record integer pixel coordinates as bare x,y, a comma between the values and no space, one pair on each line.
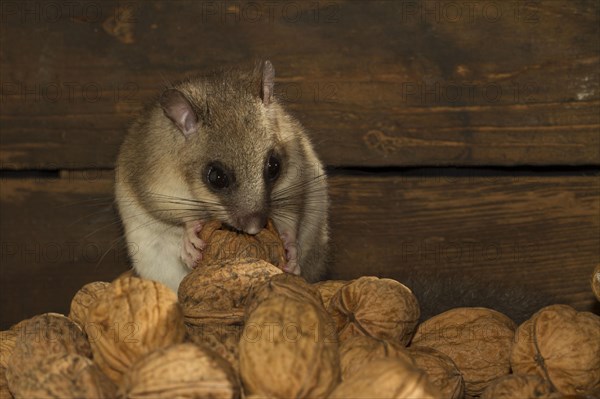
242,328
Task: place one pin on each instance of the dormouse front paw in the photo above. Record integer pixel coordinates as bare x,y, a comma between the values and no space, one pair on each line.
192,245
291,253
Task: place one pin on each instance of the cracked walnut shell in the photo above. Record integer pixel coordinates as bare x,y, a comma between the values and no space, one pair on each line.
562,346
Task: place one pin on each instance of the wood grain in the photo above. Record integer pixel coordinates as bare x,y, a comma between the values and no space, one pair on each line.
540,229
377,83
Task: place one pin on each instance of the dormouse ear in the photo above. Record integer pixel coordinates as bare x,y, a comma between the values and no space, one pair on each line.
268,82
179,110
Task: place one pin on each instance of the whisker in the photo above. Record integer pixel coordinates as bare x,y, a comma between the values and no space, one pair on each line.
113,244
80,219
179,199
108,225
90,201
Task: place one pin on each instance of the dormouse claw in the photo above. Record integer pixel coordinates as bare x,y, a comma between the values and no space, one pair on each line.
192,245
291,253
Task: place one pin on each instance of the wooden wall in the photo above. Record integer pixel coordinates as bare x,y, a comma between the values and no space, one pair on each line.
460,136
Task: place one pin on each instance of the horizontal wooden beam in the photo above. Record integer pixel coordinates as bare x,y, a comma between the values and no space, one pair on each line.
376,83
58,234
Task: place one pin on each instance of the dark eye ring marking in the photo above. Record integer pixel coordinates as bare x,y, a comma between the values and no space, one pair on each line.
217,177
272,168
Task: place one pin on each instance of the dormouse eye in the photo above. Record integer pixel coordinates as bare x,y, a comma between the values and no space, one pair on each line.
217,178
272,168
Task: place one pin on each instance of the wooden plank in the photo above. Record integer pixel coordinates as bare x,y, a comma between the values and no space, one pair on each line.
544,231
541,230
377,83
54,236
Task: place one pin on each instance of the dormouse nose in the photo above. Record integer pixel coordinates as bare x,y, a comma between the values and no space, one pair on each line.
253,222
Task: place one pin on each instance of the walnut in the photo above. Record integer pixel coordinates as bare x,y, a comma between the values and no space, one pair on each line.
61,376
217,294
84,298
8,339
184,370
387,378
478,340
441,370
596,281
289,349
356,352
562,346
17,326
286,284
43,336
127,274
223,339
377,307
4,391
223,243
518,386
328,289
133,317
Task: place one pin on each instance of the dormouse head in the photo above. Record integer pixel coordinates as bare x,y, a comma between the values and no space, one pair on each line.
231,150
